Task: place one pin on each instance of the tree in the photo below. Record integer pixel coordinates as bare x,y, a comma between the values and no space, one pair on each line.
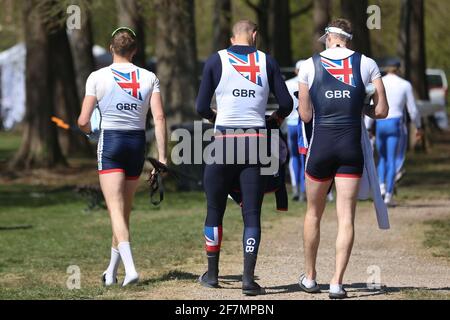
81,42
177,57
221,24
356,12
65,94
321,18
130,15
274,27
411,47
280,31
262,20
40,147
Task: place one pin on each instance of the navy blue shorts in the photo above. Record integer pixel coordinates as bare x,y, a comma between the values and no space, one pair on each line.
335,152
121,151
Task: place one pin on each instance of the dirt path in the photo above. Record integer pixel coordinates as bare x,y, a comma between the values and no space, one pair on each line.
403,262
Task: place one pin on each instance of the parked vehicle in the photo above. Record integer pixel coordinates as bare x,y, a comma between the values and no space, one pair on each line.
438,91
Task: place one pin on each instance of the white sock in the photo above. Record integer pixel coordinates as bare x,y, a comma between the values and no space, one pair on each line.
336,288
308,283
127,259
387,197
111,271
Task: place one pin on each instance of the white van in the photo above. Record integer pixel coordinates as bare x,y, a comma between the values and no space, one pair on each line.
438,90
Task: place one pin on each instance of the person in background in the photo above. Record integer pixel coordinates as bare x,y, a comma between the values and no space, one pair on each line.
399,94
295,142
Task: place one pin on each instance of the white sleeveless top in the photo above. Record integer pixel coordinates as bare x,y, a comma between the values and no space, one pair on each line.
243,90
123,92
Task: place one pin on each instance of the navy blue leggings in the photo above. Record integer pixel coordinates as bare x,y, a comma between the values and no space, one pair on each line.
218,181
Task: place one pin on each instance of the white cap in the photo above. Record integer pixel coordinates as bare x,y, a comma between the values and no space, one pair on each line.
297,65
334,30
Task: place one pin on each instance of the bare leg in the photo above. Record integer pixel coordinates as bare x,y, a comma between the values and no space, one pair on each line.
113,185
130,189
347,191
316,193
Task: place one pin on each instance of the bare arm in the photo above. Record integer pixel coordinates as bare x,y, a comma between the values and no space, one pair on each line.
304,102
87,108
160,126
380,109
412,107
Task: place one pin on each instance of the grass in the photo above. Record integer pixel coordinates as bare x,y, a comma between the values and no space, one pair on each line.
437,237
44,229
9,143
427,173
425,294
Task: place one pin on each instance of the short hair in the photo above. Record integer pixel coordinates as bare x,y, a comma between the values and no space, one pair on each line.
343,24
244,27
123,42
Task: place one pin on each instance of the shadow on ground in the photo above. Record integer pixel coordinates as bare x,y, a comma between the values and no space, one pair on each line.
358,290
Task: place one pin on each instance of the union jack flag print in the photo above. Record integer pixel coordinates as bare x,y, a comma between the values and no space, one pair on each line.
129,82
342,70
247,65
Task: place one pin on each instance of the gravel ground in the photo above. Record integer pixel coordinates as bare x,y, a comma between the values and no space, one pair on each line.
398,254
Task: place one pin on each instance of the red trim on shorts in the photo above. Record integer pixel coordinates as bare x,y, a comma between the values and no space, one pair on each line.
132,178
238,135
110,171
282,209
318,179
303,150
348,175
212,248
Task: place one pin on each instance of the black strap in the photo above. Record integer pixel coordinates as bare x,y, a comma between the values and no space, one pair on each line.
155,180
157,186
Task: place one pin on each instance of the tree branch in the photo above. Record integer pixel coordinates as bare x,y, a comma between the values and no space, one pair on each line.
303,10
253,6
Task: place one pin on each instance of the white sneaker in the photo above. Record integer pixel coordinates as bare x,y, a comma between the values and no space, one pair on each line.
383,189
108,280
130,279
388,200
330,196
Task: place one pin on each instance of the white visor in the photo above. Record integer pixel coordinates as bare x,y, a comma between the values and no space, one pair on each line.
334,30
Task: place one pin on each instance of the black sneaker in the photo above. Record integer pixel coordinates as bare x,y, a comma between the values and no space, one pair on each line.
203,279
315,289
338,295
252,289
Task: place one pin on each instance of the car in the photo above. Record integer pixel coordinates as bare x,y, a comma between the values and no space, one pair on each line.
438,92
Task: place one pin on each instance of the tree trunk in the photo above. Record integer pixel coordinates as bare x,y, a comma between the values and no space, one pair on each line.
280,31
221,24
66,102
177,57
404,39
411,47
40,147
321,18
261,11
81,42
130,15
417,67
356,12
